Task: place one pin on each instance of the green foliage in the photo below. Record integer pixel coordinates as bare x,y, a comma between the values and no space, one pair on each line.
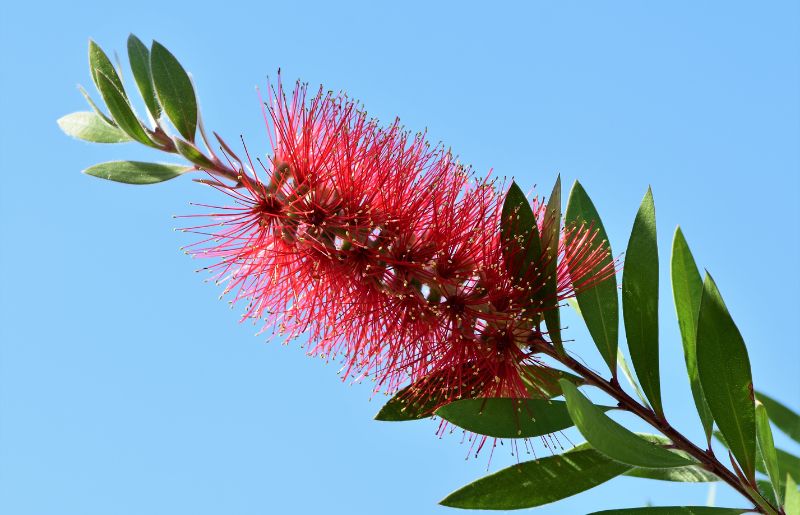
640,301
139,57
792,497
100,66
520,235
687,474
687,289
135,172
612,439
121,110
90,126
626,371
416,402
766,446
534,483
724,370
174,89
551,232
599,305
508,418
192,153
785,419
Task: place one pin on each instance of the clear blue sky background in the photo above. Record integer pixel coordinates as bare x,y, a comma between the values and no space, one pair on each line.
127,388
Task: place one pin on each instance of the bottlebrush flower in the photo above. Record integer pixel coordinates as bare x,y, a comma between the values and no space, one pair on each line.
385,252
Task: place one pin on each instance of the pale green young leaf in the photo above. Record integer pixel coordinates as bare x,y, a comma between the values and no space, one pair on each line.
785,419
88,126
766,446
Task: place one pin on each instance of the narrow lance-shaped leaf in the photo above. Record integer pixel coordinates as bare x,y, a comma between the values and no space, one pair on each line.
139,57
787,463
687,474
724,369
193,154
135,172
613,440
509,418
767,447
551,232
687,289
520,235
420,400
792,496
640,301
89,126
626,371
599,305
534,483
174,90
785,419
121,110
99,112
101,65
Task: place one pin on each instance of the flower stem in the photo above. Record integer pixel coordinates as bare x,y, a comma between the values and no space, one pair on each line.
706,458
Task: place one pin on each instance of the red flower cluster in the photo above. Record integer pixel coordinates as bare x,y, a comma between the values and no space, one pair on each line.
385,251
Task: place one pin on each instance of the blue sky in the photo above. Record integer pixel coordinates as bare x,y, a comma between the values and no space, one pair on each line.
126,387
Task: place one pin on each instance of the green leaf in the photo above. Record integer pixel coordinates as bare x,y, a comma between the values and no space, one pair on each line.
89,126
599,305
626,371
766,446
509,418
613,440
534,483
551,233
122,112
688,474
139,56
640,301
542,383
687,289
96,109
174,90
766,490
100,66
787,463
674,510
520,235
792,496
785,419
136,172
193,154
724,370
420,399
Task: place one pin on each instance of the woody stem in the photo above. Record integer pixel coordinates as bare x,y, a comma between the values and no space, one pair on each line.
706,458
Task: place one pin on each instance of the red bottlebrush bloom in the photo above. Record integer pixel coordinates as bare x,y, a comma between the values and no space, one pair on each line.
386,252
